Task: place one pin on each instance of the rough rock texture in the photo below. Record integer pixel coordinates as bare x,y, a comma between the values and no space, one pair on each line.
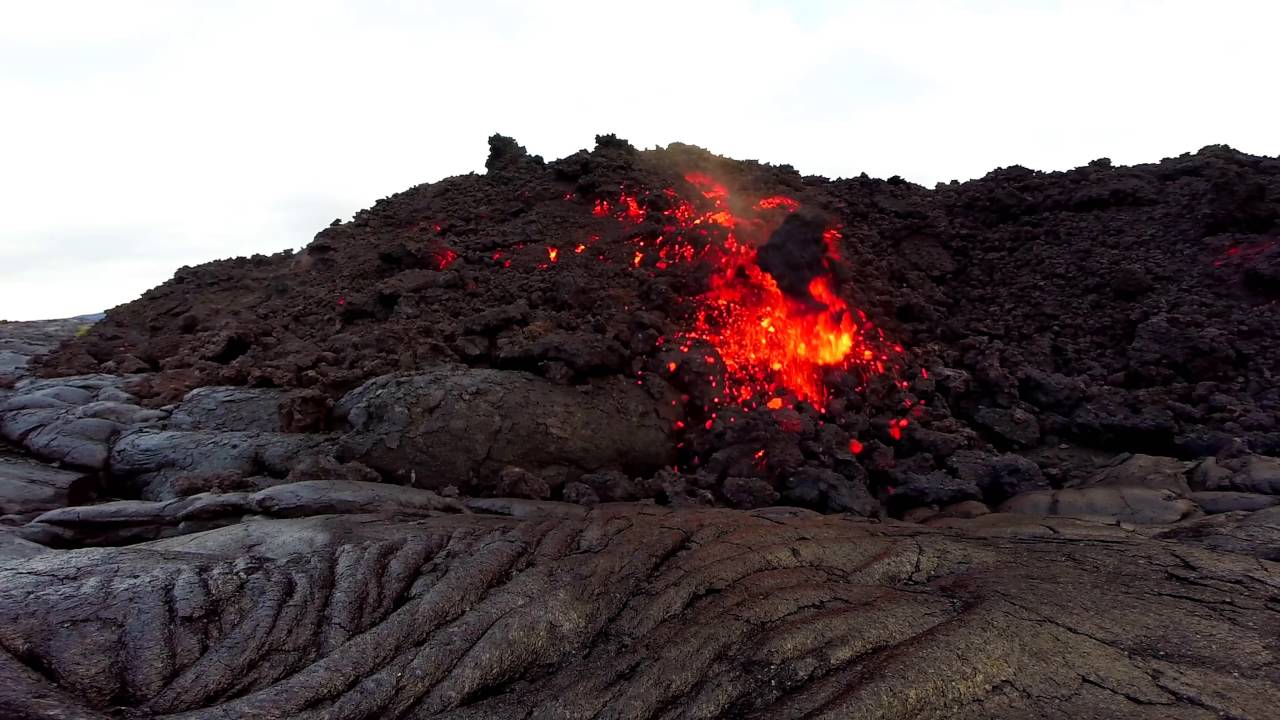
1246,533
998,478
13,547
1161,473
1124,309
1248,473
71,420
27,486
1136,505
20,342
123,522
1213,502
831,492
271,579
461,427
261,409
154,463
630,612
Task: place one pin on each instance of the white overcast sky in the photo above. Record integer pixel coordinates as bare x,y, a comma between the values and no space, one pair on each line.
141,136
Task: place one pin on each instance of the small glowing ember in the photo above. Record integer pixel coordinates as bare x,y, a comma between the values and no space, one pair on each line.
445,258
855,446
1244,254
778,201
552,252
896,427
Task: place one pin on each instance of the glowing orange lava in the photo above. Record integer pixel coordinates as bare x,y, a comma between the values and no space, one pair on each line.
777,201
770,344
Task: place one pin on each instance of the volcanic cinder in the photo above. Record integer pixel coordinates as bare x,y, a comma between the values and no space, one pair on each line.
1110,309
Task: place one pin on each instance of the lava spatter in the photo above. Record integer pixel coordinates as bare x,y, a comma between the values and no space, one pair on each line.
772,310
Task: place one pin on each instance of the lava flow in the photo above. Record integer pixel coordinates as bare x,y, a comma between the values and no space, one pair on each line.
772,310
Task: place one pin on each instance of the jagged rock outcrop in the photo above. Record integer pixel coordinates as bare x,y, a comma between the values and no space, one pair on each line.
462,427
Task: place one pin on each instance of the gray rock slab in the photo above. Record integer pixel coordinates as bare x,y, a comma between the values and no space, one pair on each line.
1134,505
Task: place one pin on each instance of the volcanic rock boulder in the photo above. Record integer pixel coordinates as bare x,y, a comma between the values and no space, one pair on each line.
461,427
27,486
21,341
998,477
260,409
1161,473
1136,505
163,464
628,612
1248,473
71,420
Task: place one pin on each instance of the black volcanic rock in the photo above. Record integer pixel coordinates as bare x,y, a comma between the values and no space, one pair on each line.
796,254
1127,309
787,613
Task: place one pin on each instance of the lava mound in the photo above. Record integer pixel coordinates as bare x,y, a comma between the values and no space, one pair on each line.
669,324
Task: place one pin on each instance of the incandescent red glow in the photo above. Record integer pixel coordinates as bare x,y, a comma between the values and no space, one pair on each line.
855,446
1244,254
445,258
631,208
778,201
710,189
552,253
896,426
769,344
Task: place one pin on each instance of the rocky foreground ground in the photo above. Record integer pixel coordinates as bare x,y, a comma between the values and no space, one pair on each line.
429,468
261,576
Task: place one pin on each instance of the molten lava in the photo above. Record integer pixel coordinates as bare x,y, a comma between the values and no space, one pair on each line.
777,322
